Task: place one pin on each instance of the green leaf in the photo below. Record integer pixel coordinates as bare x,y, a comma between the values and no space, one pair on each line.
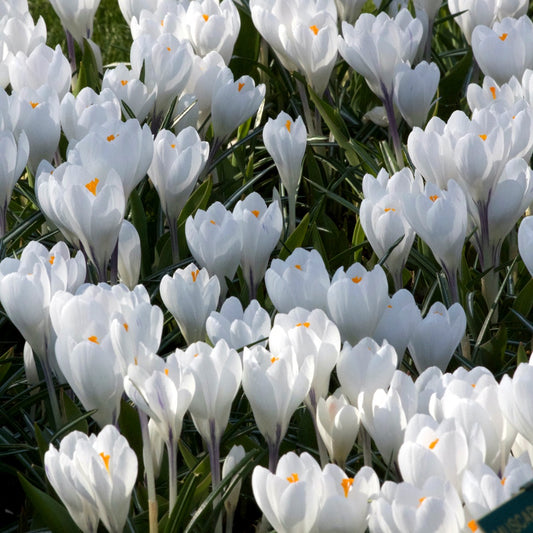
358,239
524,300
452,85
296,238
334,121
88,75
5,363
72,414
55,515
130,427
42,443
138,219
521,355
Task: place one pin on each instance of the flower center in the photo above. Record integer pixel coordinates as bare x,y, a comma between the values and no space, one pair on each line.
493,92
93,338
357,279
433,444
314,29
105,458
503,36
205,17
91,186
241,85
346,483
194,274
288,125
293,478
434,197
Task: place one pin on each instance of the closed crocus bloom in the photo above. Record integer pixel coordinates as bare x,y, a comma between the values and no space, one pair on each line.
136,328
435,506
275,386
43,66
414,90
126,147
385,414
285,140
36,112
261,228
440,218
215,241
90,208
356,301
398,321
525,241
79,114
204,73
470,14
309,334
432,152
76,16
239,327
234,457
300,281
177,163
436,337
233,102
190,295
129,89
217,372
504,50
509,200
289,498
338,424
19,31
346,500
483,490
213,27
366,367
166,62
94,477
129,254
85,353
15,151
382,218
374,46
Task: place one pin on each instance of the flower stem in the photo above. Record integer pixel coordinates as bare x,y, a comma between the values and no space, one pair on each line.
213,447
54,404
172,451
173,226
273,450
322,451
393,127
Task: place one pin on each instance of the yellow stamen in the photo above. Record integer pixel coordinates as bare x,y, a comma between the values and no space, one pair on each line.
205,17
166,371
434,197
194,274
91,186
34,104
472,525
293,478
93,338
299,267
213,222
503,481
162,22
493,91
288,125
241,85
357,279
473,385
274,359
168,48
305,324
135,361
126,327
389,306
387,209
255,212
196,355
172,146
503,36
420,501
106,460
52,259
124,82
483,136
111,138
314,29
433,444
346,483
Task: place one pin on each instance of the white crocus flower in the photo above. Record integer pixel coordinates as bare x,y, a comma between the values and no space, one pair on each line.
261,228
191,294
94,477
77,16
